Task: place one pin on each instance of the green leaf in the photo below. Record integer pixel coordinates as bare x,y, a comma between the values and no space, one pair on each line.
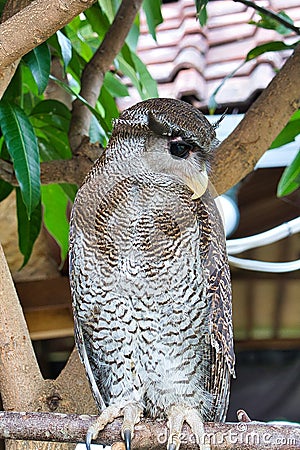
109,8
5,189
96,132
70,190
201,11
82,37
2,4
290,179
115,87
51,112
13,92
65,48
273,46
98,20
270,23
72,92
134,33
28,229
212,103
38,60
289,133
152,10
23,148
55,204
135,69
149,85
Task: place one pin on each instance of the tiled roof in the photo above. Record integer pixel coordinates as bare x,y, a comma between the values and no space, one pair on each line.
188,61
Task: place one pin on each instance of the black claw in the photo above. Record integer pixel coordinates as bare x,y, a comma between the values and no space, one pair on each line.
172,446
127,439
88,440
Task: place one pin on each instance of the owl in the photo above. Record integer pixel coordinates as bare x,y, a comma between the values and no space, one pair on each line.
149,275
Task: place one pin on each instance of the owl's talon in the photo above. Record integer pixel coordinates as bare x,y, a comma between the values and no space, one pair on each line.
88,440
127,439
172,446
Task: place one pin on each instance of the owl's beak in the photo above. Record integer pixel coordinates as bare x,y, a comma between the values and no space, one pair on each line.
197,183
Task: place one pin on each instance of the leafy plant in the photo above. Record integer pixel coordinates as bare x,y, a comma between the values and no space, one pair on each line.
35,128
284,25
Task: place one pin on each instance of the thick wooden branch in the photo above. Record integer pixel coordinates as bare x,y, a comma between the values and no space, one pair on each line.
148,433
70,171
20,375
239,153
93,74
35,23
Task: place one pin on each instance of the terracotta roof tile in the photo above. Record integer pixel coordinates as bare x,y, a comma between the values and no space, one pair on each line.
237,89
190,61
230,19
223,7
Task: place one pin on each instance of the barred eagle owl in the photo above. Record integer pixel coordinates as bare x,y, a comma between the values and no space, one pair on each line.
149,275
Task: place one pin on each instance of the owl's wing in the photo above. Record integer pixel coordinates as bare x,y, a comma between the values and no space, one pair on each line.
215,265
90,371
76,261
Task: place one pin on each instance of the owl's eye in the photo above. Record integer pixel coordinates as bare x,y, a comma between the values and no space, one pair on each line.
180,149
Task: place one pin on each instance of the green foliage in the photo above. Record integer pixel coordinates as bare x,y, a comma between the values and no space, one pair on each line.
55,199
270,23
201,11
38,61
23,148
34,129
28,227
290,180
152,10
284,25
273,46
289,133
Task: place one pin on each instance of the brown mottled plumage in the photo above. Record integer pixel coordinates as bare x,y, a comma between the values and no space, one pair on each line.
149,274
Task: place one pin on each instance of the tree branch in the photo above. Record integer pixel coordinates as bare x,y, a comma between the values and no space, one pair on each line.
271,14
35,23
20,375
93,74
236,156
239,152
148,433
70,171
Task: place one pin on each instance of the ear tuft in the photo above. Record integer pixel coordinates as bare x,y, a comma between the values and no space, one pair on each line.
157,126
216,124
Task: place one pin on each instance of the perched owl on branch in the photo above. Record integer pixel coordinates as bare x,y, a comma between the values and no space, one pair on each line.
149,275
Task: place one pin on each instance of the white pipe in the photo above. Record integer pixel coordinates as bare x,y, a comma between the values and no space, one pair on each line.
235,246
264,266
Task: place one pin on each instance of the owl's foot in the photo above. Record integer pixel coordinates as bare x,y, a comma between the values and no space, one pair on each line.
131,414
179,414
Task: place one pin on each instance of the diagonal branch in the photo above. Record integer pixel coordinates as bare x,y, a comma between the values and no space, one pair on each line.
71,171
93,74
240,151
35,23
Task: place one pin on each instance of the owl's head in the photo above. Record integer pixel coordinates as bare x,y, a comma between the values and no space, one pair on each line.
175,138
